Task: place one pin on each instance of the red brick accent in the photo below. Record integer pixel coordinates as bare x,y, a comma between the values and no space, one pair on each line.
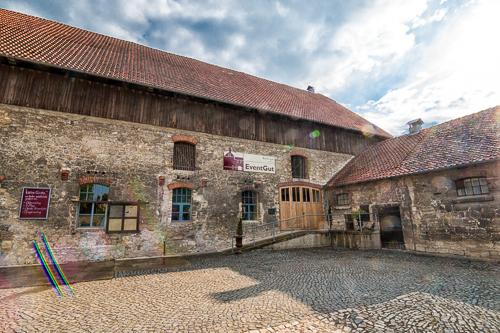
1,178
171,186
299,183
248,188
204,182
94,180
64,174
161,180
182,138
256,184
293,153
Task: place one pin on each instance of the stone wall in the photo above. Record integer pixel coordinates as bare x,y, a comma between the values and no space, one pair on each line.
434,218
36,145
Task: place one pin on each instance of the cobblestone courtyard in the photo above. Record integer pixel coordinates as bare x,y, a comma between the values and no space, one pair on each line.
316,290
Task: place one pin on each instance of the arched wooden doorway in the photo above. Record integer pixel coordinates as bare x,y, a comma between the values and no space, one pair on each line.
297,200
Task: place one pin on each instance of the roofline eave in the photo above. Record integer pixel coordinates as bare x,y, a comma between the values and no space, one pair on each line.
181,92
414,173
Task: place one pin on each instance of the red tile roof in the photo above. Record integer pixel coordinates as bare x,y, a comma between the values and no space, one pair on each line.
470,139
45,41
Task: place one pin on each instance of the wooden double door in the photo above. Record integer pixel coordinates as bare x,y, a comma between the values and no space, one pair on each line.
298,201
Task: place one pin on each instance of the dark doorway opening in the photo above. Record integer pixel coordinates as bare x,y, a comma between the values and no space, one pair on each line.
391,228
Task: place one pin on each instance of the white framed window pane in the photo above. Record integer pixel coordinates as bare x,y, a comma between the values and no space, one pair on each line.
484,189
468,191
461,191
467,183
483,181
475,181
477,189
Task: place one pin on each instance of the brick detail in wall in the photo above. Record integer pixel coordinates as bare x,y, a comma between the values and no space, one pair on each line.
171,186
94,180
1,178
249,188
299,183
293,153
183,138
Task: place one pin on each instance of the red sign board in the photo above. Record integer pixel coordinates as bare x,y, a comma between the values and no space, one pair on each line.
35,203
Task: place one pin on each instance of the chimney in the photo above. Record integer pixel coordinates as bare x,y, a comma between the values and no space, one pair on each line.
310,89
415,126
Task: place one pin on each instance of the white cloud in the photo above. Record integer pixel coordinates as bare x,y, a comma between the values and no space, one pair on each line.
460,77
375,36
438,16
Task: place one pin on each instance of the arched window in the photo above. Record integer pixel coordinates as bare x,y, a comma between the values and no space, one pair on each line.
181,205
93,205
249,205
298,166
184,156
343,199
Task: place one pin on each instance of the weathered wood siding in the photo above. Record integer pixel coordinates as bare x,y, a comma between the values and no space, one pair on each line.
43,90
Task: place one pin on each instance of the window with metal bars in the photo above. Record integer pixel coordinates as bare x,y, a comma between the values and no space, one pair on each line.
472,186
306,195
184,156
298,166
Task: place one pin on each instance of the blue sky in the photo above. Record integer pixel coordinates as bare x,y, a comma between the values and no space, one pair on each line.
390,61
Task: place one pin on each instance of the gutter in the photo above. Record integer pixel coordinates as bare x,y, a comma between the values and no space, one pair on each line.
177,91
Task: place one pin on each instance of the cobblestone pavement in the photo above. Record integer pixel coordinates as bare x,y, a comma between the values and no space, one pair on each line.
313,290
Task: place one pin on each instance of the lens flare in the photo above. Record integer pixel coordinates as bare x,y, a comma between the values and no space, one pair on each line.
59,271
368,130
46,268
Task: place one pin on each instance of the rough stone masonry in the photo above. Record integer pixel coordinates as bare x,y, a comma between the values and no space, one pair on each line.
37,145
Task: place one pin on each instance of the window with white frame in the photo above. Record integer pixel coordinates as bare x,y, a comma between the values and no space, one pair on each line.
472,186
93,206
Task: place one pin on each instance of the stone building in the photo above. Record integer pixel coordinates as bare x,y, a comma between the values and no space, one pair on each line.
116,150
434,190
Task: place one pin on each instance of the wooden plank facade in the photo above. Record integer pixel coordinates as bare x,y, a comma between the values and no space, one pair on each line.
64,92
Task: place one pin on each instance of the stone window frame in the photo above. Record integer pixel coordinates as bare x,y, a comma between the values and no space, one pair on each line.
343,199
481,186
184,153
255,204
93,203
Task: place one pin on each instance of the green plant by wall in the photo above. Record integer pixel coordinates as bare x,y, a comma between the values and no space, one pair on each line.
239,229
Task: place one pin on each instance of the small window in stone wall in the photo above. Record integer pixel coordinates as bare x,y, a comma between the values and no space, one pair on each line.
343,199
472,186
298,167
249,206
181,205
184,156
123,217
93,205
